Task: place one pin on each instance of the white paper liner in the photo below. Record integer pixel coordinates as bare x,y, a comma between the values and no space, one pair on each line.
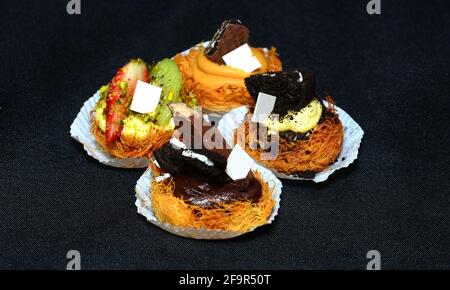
144,207
353,135
81,131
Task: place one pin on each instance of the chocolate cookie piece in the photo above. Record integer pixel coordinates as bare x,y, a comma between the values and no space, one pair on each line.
220,161
173,161
294,89
230,36
169,158
200,169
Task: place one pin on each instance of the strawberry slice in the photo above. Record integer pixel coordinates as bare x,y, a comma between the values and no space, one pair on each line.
120,94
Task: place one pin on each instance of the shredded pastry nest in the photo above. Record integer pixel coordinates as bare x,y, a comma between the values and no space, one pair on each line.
126,147
240,216
312,155
226,97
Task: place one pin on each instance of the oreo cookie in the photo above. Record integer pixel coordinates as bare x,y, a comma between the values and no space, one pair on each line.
294,89
168,159
173,161
230,36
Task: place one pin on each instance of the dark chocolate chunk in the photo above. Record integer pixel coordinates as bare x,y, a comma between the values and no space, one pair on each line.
230,36
200,168
172,161
294,89
168,158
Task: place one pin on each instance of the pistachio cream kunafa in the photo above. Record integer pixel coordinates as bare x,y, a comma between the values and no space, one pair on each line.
305,127
120,123
191,187
217,85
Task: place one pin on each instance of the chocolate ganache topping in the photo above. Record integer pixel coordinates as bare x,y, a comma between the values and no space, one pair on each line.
294,89
199,174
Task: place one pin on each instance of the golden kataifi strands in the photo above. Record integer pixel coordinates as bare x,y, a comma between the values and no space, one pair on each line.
126,147
315,154
239,216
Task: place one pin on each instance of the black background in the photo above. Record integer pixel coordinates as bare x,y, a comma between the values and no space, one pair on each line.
389,71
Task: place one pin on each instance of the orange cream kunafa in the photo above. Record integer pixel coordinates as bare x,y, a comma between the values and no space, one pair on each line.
216,85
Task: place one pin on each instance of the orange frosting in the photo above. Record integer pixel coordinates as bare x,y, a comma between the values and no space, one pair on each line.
214,75
220,88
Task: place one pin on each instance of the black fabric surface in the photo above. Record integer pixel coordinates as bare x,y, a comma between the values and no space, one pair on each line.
389,71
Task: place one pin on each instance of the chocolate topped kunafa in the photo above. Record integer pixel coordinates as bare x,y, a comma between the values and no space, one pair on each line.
304,127
192,189
199,177
215,75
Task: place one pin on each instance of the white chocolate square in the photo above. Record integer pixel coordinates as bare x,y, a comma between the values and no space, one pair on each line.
242,58
146,98
239,163
264,107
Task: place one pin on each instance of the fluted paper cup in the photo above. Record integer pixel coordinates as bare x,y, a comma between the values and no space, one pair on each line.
81,131
144,207
353,135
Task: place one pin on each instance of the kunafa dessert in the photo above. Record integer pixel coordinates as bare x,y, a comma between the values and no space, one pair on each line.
304,126
192,189
122,124
219,86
